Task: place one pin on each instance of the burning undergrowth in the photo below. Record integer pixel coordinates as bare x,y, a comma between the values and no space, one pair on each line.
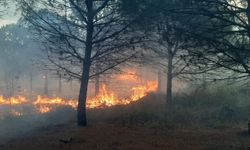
108,96
21,106
22,114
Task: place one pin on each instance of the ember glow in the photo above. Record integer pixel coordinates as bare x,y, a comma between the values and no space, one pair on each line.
16,113
13,100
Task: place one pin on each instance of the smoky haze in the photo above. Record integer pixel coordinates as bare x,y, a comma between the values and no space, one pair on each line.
25,77
21,75
124,74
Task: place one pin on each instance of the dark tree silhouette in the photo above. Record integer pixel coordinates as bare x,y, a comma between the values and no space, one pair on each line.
169,36
80,35
223,36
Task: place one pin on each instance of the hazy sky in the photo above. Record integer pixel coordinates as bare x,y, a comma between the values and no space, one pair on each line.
9,15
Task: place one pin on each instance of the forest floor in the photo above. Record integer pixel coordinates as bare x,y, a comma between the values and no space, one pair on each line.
103,136
135,127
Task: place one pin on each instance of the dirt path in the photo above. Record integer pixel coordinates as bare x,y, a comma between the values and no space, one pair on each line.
116,137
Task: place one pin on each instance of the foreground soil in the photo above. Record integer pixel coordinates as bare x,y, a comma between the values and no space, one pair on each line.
104,136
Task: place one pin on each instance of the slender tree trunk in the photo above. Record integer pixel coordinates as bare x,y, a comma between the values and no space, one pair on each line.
71,89
12,91
81,111
159,82
60,85
169,78
97,85
31,84
46,84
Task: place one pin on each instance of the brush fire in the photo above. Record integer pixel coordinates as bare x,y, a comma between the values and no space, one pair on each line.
21,105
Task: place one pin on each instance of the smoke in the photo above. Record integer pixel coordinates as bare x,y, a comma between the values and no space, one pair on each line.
15,127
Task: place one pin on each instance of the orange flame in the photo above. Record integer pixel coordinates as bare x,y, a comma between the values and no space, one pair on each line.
45,105
143,90
105,98
13,100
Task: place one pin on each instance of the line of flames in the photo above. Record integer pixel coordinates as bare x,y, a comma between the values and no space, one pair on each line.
105,98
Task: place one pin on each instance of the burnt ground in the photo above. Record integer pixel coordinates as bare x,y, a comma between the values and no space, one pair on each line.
104,136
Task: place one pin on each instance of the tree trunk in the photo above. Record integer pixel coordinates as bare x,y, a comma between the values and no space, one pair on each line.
159,82
31,84
81,111
46,84
169,78
12,90
97,85
60,85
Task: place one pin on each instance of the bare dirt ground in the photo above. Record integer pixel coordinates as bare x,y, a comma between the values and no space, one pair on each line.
104,136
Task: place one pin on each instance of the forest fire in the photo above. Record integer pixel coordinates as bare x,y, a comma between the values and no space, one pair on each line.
105,98
141,91
13,100
45,104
